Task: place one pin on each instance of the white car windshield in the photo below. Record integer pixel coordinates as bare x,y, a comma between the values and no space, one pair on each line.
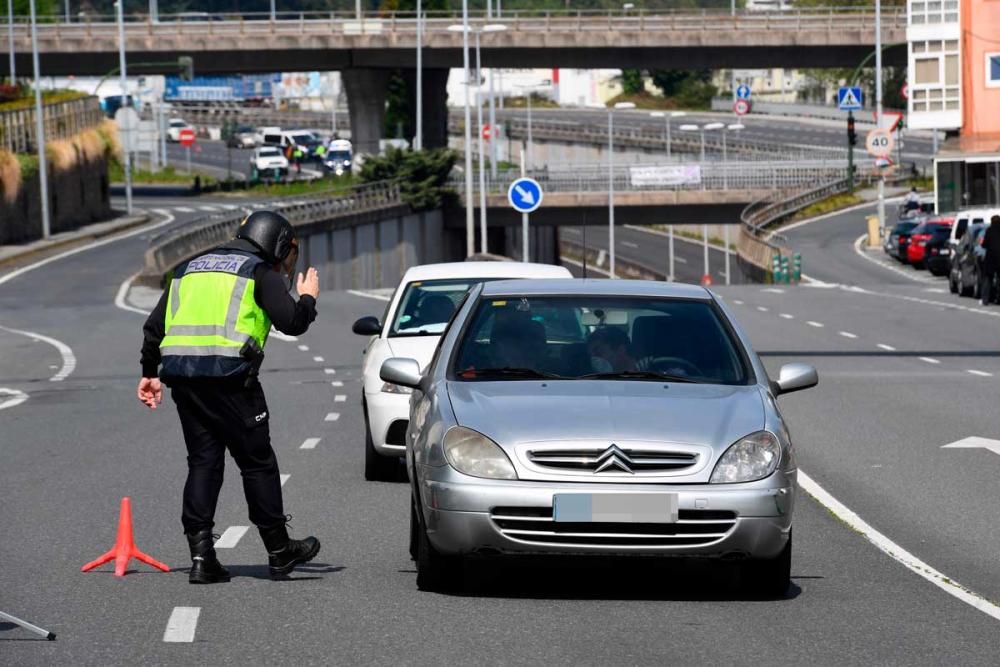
599,338
178,123
426,306
269,152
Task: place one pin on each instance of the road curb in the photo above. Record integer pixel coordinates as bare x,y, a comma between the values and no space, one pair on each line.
12,254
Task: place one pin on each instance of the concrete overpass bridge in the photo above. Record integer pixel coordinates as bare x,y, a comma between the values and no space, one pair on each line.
366,48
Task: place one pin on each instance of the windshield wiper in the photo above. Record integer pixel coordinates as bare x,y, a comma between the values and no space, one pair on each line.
638,375
507,371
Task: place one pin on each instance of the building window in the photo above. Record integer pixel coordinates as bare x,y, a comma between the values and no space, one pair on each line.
993,70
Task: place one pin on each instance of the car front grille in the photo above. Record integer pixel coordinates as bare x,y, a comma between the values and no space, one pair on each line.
536,525
629,461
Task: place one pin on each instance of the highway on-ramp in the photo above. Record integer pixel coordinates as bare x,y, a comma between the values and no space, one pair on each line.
870,435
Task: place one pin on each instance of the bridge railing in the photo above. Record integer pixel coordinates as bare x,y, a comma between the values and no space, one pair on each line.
170,248
522,20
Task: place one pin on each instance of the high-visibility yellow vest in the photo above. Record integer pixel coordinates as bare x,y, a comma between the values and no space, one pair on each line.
211,315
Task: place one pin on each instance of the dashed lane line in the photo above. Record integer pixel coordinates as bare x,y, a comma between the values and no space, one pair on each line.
332,416
818,325
231,537
590,267
368,295
895,551
847,334
887,348
182,624
340,398
309,443
184,209
982,374
737,302
330,371
786,316
319,360
763,309
336,383
303,348
930,360
282,478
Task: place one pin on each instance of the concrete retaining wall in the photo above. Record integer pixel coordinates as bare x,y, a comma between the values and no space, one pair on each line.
77,197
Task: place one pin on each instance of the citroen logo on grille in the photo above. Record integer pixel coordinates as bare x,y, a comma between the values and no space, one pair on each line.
614,457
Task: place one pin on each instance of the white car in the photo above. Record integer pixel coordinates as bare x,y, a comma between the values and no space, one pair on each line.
417,315
174,127
267,159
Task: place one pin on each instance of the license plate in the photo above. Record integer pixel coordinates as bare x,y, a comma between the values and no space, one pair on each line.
614,507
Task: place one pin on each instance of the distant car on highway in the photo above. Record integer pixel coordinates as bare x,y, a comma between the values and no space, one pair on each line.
899,239
268,161
965,262
174,127
930,235
416,316
600,417
243,136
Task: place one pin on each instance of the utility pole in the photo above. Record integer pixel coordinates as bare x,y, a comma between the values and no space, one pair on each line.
418,138
878,106
124,83
470,220
10,40
43,168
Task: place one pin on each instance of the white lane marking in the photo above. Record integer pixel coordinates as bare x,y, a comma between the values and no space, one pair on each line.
682,239
928,302
590,266
332,416
895,551
340,398
818,325
123,292
982,374
90,246
847,334
786,316
282,478
824,216
16,398
309,443
183,209
285,337
336,383
182,624
229,207
68,358
737,302
210,209
910,275
629,244
231,537
319,360
330,371
356,292
929,360
763,309
304,348
887,348
773,290
680,260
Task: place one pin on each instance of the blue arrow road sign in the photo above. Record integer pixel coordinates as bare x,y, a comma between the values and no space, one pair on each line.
849,98
525,195
743,91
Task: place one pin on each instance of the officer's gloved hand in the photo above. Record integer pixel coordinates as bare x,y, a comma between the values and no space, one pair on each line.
308,284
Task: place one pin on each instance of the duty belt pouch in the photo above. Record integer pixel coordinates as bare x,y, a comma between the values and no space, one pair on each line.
254,356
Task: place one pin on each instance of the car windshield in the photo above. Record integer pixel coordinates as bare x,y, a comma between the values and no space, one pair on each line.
244,129
269,152
904,227
339,155
427,305
178,123
599,338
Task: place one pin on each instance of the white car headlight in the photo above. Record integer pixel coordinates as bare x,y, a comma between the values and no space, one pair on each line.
390,388
750,458
474,454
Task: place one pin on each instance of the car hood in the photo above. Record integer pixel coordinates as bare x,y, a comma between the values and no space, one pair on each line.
420,348
515,412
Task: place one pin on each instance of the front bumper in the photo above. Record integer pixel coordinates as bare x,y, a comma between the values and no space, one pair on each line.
938,264
485,517
385,409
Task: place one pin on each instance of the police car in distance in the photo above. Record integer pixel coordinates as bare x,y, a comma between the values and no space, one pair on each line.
338,156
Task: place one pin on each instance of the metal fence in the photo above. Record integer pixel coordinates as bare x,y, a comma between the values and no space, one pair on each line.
62,120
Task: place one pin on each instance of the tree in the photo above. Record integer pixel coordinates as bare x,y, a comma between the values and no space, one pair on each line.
632,82
691,89
422,175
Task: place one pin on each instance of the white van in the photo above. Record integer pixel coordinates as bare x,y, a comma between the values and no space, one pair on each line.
972,216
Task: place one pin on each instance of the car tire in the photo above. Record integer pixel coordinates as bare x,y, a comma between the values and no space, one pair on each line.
770,577
919,266
378,468
436,572
975,286
414,529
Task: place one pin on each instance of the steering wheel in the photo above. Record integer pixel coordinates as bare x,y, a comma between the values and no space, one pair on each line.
665,364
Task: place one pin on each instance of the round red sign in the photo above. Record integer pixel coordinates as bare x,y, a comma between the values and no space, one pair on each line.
487,132
741,107
186,137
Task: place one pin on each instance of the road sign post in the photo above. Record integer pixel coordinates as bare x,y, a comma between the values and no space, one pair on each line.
850,98
525,196
741,107
186,139
743,92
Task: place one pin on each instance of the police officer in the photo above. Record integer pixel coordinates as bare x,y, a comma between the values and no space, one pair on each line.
207,336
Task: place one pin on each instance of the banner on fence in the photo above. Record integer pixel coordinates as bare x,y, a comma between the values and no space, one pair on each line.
643,177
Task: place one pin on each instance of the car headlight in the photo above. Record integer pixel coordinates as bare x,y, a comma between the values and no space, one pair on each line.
750,458
474,454
389,388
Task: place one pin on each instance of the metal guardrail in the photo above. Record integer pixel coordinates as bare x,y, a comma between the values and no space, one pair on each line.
776,176
62,120
172,247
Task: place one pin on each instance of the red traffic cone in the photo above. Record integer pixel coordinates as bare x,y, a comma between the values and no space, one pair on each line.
124,549
706,280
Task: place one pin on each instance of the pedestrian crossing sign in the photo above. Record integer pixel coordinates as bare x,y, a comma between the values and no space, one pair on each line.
849,98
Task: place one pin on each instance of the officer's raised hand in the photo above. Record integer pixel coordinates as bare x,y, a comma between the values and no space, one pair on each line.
309,283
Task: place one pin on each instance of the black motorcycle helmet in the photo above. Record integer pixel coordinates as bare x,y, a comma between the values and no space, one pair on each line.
270,232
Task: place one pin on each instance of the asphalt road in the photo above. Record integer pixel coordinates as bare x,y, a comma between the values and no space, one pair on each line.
216,158
870,434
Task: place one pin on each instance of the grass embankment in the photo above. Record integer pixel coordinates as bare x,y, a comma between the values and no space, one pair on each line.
335,185
828,205
166,176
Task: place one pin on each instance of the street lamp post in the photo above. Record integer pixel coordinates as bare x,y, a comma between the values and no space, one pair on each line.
732,127
666,122
10,40
124,84
418,138
611,183
470,222
43,170
878,106
482,149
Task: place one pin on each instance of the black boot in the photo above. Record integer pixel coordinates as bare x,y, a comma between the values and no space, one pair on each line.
205,566
284,553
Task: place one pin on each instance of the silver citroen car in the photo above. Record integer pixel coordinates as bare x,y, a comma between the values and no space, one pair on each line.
607,417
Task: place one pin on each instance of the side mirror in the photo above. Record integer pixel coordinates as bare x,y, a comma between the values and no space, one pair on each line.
796,377
402,371
367,326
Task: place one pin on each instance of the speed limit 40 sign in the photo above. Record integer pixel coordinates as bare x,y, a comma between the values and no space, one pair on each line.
879,143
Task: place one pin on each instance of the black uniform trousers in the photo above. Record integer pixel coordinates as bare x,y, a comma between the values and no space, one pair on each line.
219,415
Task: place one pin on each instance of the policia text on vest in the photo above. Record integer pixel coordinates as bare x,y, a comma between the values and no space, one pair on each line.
205,339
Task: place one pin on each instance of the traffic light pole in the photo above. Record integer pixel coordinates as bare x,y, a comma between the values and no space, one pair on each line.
850,151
